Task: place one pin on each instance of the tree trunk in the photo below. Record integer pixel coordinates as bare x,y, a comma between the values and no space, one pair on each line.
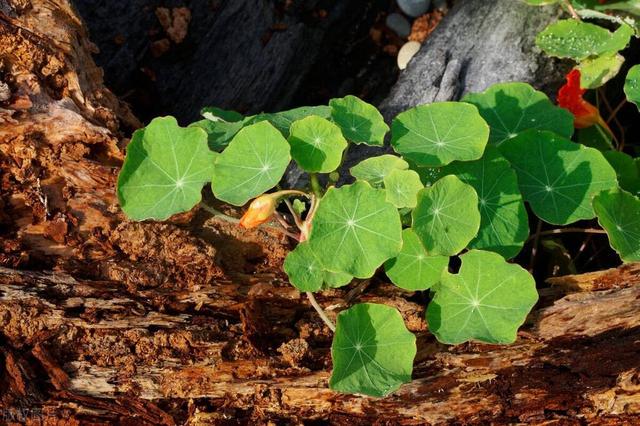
191,321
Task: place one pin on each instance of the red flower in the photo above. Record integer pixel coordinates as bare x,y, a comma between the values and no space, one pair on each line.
570,97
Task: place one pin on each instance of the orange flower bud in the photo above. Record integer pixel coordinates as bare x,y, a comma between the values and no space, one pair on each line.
259,211
570,97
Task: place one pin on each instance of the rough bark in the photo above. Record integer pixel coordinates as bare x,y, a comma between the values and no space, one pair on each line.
190,322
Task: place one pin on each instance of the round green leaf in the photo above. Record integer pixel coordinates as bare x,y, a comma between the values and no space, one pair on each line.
401,187
414,269
632,85
558,177
336,279
372,351
355,230
375,169
253,163
512,108
626,169
579,40
619,214
316,144
446,218
283,120
504,226
597,71
303,268
360,122
439,133
486,301
164,171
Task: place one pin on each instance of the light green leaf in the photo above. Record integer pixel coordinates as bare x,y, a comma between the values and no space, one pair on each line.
355,230
375,169
303,268
372,351
597,71
627,170
512,108
504,226
486,301
219,133
401,187
219,114
316,144
253,163
413,269
360,122
436,134
283,120
558,177
299,206
446,218
632,85
336,279
164,171
619,214
580,40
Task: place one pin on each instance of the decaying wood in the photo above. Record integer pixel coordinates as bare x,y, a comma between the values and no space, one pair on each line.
188,322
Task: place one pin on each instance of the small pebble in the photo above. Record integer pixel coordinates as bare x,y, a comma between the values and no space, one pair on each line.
399,24
414,8
407,51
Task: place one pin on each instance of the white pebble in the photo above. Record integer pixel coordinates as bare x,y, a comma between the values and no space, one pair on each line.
407,51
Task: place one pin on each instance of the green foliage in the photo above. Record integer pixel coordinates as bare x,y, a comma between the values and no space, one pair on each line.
355,230
253,163
486,301
372,351
304,269
627,170
316,144
580,40
360,122
597,71
375,169
632,85
436,134
558,178
164,171
401,188
512,108
283,120
619,214
446,218
504,226
413,268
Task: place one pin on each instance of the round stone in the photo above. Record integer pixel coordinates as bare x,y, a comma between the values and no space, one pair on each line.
398,24
414,8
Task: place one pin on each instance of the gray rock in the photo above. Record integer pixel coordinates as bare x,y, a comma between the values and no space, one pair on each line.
398,24
414,8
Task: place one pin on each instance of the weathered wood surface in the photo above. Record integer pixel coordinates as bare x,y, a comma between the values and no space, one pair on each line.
186,321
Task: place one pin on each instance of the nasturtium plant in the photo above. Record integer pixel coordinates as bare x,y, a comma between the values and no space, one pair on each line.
253,163
316,144
336,279
360,122
512,108
446,218
375,169
401,188
632,85
439,133
627,169
580,40
597,71
372,351
283,120
619,214
166,168
413,268
557,177
355,230
504,226
487,300
304,269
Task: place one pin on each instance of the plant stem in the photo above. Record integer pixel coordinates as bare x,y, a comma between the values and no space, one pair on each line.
616,110
320,311
315,185
572,11
567,231
219,213
296,217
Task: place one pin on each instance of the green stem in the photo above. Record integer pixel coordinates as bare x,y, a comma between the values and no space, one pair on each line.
320,311
315,185
218,213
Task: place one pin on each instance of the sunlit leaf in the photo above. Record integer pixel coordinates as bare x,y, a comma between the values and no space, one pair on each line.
360,122
597,71
446,218
401,187
632,85
486,301
413,269
372,351
558,177
375,169
253,163
283,120
164,171
619,214
439,133
303,268
316,144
